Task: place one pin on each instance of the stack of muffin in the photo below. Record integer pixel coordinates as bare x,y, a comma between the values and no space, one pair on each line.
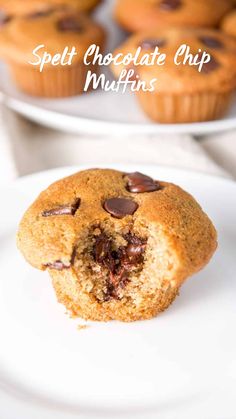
181,94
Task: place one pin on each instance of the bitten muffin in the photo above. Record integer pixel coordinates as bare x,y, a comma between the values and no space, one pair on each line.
16,8
181,92
54,31
136,15
229,23
116,245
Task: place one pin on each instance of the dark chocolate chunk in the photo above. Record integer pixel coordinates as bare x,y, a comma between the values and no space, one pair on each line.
109,293
118,262
39,14
120,207
135,248
212,65
211,42
151,43
103,252
4,18
134,76
68,209
101,248
138,183
69,23
170,4
58,265
132,238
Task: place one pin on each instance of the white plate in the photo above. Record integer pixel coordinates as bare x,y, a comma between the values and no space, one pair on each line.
101,112
179,365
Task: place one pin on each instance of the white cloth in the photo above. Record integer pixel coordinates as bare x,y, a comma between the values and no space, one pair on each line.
26,148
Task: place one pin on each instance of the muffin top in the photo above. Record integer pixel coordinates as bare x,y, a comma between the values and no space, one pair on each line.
219,74
55,30
64,213
229,23
137,15
9,8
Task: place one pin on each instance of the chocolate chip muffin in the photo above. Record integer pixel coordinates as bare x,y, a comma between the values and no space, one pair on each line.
116,245
228,24
56,33
184,92
137,15
16,8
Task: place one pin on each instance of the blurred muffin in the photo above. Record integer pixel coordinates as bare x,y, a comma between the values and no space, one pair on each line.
229,23
12,8
182,93
136,15
56,30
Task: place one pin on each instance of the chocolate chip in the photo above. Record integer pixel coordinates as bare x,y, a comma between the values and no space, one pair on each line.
139,183
102,251
212,65
109,293
68,209
39,14
4,18
132,238
58,265
69,23
211,42
120,207
170,4
152,43
134,76
118,262
135,248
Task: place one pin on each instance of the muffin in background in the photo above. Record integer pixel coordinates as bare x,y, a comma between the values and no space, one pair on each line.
182,93
56,30
228,24
16,8
137,15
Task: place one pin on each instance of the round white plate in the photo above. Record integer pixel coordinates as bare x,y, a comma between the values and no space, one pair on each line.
179,365
99,111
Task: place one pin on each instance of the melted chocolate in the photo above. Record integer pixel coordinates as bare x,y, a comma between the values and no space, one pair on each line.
118,262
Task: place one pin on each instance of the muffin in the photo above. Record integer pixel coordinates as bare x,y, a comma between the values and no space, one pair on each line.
138,15
52,32
116,245
16,8
182,93
229,23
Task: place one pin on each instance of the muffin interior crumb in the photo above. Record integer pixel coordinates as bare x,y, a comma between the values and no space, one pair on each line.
121,266
108,260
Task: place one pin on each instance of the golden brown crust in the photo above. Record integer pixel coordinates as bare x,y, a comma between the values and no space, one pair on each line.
16,8
19,37
169,213
136,15
229,23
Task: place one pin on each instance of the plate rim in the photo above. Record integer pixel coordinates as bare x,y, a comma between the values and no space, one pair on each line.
52,413
76,124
